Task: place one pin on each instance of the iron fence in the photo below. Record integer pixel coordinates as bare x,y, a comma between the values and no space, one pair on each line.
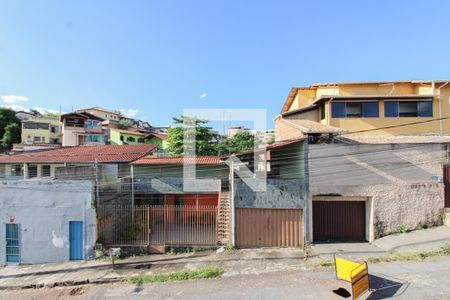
158,224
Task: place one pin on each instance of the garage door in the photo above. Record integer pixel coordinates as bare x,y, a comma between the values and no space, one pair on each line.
339,221
262,227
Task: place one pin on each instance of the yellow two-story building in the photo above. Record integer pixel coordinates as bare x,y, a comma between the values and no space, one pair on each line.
41,131
366,108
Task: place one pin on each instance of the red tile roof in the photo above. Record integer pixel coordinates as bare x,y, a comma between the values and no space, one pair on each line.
161,135
199,160
275,145
84,154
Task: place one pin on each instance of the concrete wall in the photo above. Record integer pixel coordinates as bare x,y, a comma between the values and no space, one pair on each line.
402,181
43,209
281,193
171,185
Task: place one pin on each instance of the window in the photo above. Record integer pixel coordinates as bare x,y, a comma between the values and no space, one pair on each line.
37,139
55,129
17,170
121,138
131,139
338,109
405,109
35,125
140,140
355,109
94,138
46,171
91,123
32,171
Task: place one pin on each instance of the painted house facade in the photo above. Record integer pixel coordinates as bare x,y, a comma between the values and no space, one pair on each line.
49,199
83,129
175,210
366,108
41,131
376,156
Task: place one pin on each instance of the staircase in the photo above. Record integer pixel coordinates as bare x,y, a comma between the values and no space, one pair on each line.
224,218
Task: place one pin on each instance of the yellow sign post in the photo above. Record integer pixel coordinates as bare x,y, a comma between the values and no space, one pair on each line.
355,273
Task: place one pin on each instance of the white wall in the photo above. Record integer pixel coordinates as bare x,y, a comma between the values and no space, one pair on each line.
43,208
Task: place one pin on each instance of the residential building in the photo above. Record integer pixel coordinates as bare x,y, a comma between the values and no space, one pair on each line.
232,130
377,156
134,137
101,113
56,220
41,131
107,162
173,209
370,108
25,115
83,129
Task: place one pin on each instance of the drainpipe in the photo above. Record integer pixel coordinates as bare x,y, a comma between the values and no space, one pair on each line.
329,111
440,105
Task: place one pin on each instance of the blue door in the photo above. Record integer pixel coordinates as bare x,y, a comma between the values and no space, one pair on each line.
76,240
12,243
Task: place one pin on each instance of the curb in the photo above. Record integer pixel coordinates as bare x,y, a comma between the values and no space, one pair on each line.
62,283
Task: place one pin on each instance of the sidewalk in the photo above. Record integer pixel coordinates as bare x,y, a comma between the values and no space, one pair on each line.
245,261
415,241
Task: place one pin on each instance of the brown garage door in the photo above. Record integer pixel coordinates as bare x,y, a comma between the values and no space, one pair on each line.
339,221
263,227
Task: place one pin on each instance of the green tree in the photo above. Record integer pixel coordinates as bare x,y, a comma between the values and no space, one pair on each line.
11,135
124,124
241,141
7,116
51,115
205,139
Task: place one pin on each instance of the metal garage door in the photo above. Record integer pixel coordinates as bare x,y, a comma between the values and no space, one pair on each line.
263,227
339,221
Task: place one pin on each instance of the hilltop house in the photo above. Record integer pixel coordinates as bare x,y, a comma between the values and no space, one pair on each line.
41,131
377,155
83,129
365,108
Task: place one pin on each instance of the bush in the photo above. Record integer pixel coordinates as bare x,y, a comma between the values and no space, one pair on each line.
402,229
205,272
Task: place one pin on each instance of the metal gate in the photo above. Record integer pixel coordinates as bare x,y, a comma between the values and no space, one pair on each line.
447,186
339,221
267,227
12,243
159,224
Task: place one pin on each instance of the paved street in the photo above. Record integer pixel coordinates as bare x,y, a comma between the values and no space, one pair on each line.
428,279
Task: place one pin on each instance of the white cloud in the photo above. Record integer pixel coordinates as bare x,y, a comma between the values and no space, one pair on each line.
130,113
44,110
203,95
13,99
15,107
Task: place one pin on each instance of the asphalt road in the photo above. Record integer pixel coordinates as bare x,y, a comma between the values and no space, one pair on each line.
429,279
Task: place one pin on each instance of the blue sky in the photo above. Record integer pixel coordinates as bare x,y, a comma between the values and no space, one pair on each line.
155,58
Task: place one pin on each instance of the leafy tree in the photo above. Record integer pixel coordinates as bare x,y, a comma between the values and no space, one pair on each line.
7,116
124,124
11,135
205,139
241,141
51,115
